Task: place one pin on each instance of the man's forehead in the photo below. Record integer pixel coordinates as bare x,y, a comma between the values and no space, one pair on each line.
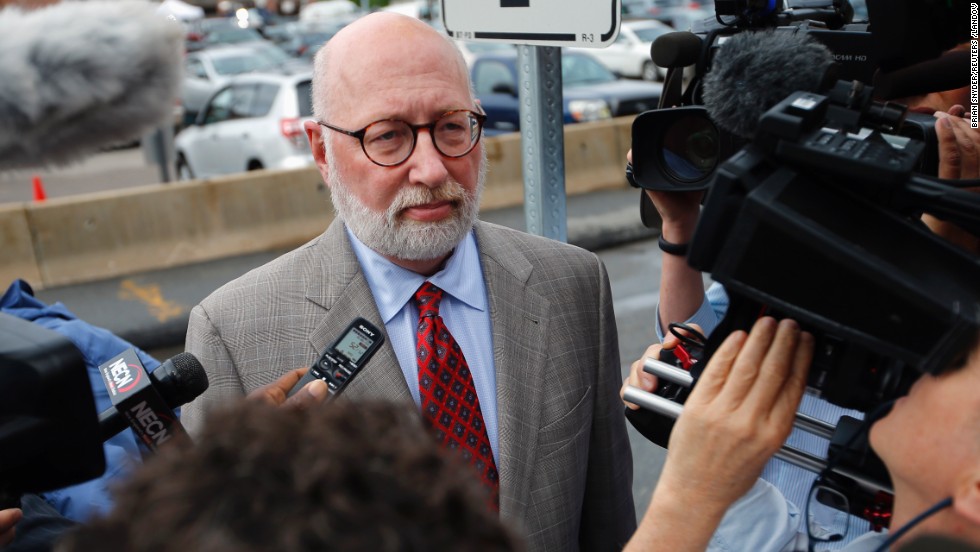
386,87
381,34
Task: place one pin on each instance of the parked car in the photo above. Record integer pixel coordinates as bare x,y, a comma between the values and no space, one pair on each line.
679,14
685,18
253,122
305,40
471,48
205,71
590,92
629,55
231,35
204,33
329,12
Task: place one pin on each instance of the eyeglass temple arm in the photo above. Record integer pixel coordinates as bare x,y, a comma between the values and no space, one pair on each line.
796,457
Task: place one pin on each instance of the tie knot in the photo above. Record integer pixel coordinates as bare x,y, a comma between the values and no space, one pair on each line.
427,299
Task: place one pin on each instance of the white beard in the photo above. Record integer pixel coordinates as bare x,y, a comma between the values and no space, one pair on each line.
399,238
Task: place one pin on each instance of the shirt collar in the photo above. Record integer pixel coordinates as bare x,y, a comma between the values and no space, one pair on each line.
394,286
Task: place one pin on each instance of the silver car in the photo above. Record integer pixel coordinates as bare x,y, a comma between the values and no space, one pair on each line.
253,122
205,71
629,54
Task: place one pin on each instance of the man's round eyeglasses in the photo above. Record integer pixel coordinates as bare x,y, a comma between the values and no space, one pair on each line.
390,142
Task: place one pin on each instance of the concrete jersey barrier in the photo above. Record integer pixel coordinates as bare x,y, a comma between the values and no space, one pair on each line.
103,235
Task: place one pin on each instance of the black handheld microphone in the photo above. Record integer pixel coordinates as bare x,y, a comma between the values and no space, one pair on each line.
145,401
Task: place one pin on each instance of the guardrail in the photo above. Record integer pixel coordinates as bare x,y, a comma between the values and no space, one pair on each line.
102,235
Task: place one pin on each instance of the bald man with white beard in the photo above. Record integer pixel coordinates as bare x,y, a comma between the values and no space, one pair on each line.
397,140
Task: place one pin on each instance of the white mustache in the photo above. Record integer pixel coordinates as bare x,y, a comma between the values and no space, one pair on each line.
422,195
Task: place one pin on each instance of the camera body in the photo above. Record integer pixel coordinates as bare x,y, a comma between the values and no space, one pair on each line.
817,220
49,430
680,151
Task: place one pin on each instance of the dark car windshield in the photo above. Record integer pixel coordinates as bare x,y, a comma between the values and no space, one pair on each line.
577,69
485,47
233,35
257,59
649,34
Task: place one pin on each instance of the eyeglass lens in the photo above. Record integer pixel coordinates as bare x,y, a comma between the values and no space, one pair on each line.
391,142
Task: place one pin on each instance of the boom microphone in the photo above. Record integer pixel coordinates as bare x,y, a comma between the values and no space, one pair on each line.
753,71
136,401
80,76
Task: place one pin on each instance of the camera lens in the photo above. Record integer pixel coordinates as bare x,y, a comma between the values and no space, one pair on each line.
690,148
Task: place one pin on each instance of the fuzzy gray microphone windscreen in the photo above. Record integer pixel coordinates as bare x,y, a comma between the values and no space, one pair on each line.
76,77
754,70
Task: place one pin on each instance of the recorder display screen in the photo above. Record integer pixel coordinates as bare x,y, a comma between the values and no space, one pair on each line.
353,345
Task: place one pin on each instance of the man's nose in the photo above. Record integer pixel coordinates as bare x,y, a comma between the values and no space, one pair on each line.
428,166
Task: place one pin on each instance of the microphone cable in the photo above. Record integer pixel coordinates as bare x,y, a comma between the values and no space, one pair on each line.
942,504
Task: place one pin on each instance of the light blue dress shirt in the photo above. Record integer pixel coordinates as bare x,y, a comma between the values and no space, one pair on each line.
762,520
464,308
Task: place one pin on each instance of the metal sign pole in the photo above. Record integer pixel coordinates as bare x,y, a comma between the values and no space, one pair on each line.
542,140
540,28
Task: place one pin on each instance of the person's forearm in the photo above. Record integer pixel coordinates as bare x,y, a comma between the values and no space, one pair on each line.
952,233
681,287
673,524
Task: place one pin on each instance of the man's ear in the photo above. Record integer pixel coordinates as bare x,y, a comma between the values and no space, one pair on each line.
966,500
315,136
314,133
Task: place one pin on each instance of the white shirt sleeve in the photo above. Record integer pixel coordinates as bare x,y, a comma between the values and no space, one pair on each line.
762,520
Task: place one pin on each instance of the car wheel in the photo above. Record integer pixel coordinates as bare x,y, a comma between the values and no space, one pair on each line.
649,72
255,165
184,171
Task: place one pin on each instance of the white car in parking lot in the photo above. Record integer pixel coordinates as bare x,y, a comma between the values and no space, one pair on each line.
205,71
253,122
629,54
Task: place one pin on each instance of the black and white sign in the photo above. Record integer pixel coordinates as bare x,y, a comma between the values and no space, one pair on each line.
584,23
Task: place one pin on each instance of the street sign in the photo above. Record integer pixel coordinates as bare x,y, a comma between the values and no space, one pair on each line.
584,23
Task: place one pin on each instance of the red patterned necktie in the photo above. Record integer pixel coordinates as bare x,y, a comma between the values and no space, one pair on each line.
449,401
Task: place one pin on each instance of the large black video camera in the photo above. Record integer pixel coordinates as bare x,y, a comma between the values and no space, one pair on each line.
678,146
49,431
815,215
817,220
888,299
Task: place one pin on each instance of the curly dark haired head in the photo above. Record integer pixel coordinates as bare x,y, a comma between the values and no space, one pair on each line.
346,476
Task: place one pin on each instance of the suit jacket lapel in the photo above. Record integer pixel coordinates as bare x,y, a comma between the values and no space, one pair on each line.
520,324
341,290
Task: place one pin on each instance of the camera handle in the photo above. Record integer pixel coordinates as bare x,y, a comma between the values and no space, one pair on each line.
801,459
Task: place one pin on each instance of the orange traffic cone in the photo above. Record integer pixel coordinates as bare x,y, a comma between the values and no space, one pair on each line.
39,194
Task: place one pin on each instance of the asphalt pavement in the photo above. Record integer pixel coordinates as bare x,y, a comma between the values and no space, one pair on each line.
151,309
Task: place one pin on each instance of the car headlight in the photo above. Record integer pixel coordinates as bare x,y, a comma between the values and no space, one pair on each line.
589,110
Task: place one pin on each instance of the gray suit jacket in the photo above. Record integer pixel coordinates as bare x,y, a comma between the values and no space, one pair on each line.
565,464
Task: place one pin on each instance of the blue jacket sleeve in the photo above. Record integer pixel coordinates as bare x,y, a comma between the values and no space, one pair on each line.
97,345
